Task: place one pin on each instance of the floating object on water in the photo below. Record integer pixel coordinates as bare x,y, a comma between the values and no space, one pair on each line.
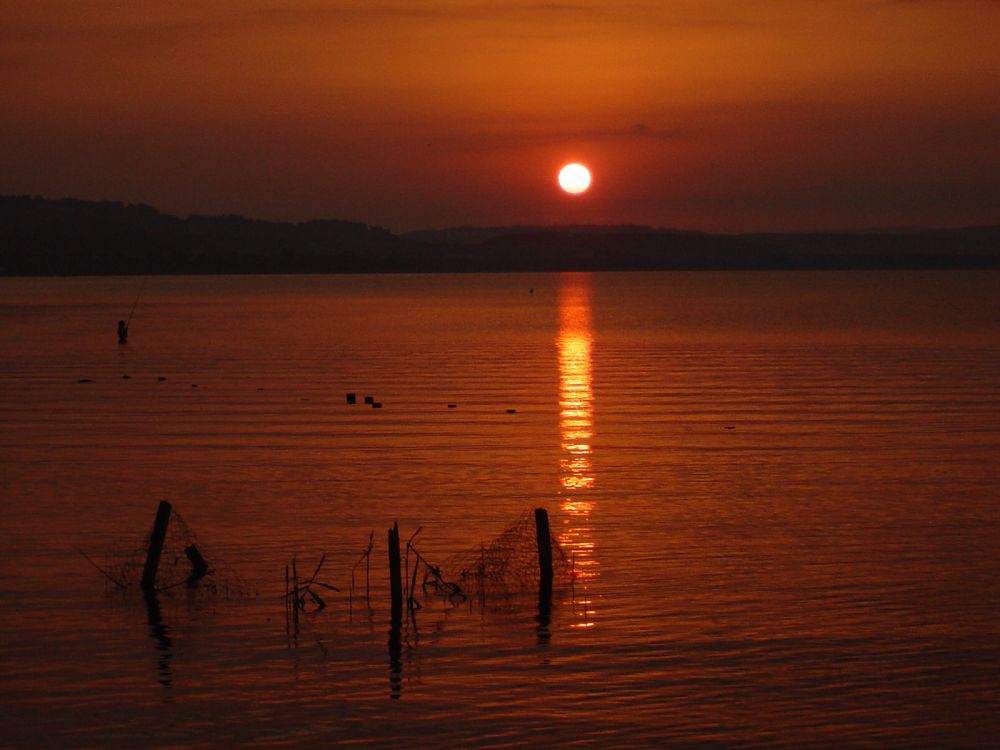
198,565
369,399
352,398
194,385
512,411
376,404
729,427
452,406
84,380
161,378
126,377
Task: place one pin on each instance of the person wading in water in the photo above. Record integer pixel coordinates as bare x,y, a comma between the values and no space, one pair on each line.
124,324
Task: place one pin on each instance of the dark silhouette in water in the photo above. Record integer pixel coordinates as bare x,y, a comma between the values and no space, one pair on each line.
545,572
396,621
395,661
160,634
122,332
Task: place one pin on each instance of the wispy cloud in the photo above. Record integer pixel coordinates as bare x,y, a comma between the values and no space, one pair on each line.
681,15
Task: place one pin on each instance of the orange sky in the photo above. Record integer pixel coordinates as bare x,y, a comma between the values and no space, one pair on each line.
721,115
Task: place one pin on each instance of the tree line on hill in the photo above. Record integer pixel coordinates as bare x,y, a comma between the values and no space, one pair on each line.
74,237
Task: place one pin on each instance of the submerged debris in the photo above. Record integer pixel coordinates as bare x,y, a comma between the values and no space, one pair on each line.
299,595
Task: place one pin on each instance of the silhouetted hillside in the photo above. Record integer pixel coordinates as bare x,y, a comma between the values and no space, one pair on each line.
73,237
646,248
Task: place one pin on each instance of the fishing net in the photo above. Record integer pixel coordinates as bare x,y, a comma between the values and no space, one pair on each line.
506,564
125,560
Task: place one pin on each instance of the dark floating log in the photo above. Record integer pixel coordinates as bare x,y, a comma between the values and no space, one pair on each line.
84,380
156,540
369,399
352,398
194,385
376,404
126,377
512,411
452,406
161,378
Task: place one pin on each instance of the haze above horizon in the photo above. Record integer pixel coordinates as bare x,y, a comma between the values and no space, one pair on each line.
719,116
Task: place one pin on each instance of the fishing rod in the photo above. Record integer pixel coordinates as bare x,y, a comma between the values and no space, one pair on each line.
141,287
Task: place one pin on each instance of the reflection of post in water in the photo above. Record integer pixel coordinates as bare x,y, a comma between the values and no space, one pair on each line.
160,635
395,660
576,430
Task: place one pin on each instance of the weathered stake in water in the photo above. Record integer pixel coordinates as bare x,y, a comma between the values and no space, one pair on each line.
156,540
545,575
395,574
395,628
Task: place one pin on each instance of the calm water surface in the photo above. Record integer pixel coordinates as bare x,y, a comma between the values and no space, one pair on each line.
780,491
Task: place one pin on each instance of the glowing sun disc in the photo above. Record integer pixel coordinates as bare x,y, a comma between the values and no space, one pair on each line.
574,178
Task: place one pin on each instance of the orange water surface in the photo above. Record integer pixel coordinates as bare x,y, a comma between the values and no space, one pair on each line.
776,499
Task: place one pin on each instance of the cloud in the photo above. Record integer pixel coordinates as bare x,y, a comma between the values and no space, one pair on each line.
676,14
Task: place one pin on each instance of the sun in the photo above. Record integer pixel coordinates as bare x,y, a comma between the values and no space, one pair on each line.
574,178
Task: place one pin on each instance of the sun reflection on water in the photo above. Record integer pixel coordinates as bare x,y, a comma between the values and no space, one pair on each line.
576,431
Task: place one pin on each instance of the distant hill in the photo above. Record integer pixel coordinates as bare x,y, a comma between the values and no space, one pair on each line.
479,235
74,237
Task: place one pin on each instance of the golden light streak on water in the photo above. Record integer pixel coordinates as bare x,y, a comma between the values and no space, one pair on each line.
576,432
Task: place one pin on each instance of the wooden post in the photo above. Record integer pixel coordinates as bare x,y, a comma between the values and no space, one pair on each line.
395,574
395,626
544,539
156,540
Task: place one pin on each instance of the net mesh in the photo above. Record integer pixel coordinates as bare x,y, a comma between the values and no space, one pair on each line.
507,563
125,560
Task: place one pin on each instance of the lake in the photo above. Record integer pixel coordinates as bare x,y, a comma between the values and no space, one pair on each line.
776,498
